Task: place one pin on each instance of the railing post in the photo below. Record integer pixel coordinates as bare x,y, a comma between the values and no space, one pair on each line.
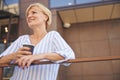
1,4
1,73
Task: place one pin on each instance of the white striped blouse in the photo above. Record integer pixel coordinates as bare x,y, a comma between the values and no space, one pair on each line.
52,42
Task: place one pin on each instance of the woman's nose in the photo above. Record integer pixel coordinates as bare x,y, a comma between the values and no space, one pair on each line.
29,15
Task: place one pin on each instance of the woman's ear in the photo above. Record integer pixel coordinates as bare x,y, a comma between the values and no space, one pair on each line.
46,17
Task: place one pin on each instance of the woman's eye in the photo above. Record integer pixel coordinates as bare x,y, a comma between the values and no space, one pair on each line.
34,12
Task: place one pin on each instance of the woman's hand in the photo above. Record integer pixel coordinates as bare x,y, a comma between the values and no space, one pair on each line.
25,61
22,52
14,56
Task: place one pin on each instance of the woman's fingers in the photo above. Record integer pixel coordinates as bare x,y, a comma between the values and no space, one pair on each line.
29,62
24,61
25,52
24,49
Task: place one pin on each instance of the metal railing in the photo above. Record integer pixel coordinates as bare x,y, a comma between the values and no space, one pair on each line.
77,60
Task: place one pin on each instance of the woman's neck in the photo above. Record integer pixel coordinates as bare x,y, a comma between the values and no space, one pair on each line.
39,30
38,33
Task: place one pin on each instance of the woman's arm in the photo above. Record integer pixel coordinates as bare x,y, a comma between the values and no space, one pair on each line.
13,56
62,51
53,56
27,60
7,58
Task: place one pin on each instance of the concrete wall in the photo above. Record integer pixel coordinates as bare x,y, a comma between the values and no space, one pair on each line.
96,39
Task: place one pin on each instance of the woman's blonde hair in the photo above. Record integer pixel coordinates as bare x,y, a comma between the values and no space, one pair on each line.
45,10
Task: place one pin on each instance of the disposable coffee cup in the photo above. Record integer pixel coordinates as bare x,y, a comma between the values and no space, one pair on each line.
29,46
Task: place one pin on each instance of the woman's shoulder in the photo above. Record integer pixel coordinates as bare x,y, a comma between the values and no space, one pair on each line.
53,32
22,36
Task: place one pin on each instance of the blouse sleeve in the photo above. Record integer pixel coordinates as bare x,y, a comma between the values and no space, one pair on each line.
62,48
12,48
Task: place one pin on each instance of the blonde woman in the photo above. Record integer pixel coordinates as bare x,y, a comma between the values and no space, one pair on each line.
48,46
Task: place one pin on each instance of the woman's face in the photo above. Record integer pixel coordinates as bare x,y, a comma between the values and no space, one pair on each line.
36,17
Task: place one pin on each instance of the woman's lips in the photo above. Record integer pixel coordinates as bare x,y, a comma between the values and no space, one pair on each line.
30,20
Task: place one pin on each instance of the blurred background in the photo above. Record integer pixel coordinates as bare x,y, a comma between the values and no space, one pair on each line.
90,27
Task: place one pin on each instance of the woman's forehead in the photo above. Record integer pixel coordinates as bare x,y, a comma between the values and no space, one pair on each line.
35,8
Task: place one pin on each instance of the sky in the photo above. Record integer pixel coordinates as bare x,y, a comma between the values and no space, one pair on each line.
11,1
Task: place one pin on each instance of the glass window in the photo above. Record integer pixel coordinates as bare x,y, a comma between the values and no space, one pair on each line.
86,1
2,47
65,3
61,3
111,0
8,35
11,6
11,1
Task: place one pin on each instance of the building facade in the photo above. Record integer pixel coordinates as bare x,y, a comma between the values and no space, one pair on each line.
90,39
